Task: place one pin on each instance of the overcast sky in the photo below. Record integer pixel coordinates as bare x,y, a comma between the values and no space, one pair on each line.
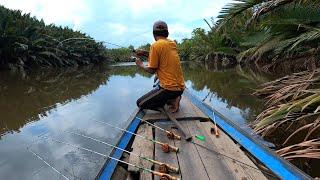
123,22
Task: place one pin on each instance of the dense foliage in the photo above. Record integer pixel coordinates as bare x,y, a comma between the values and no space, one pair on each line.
119,54
280,36
271,34
27,42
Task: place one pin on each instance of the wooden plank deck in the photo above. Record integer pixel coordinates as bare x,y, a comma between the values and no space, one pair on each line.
198,160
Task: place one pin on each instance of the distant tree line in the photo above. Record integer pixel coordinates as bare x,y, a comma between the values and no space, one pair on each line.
27,42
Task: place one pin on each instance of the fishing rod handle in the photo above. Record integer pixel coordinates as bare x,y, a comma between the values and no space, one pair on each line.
172,168
217,132
172,135
163,175
173,148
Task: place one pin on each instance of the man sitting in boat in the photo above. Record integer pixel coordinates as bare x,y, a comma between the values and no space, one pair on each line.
165,62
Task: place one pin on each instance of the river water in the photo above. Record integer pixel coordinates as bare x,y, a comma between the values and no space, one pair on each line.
42,105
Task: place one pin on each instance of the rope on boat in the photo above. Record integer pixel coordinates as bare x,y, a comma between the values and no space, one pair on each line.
165,147
231,158
164,165
124,162
170,134
53,168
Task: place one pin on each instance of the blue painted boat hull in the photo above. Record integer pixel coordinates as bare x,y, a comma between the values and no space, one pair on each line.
276,164
110,166
280,167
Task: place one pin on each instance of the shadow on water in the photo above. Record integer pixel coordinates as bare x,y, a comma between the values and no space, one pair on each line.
55,101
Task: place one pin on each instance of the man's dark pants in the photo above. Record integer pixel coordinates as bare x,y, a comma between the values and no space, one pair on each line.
157,98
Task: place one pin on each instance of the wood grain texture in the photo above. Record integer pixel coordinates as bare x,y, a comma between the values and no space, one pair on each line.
191,166
169,158
143,148
226,145
214,165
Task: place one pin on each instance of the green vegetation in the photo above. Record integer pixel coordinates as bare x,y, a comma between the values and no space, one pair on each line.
273,35
292,118
279,36
119,54
27,42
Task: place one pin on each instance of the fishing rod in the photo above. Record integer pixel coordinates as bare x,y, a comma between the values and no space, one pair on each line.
165,146
233,159
142,53
170,134
216,130
39,157
156,173
139,53
163,167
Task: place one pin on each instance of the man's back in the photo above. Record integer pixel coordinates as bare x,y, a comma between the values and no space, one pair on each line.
165,58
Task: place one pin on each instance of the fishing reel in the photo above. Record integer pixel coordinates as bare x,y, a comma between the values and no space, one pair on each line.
168,177
166,148
165,168
164,177
171,135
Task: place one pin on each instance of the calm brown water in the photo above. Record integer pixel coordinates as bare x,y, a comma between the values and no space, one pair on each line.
47,103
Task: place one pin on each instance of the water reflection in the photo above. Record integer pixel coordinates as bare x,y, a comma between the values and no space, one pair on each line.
25,96
52,102
64,100
228,90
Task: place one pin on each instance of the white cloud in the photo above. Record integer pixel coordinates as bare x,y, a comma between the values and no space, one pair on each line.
179,31
117,28
125,22
61,12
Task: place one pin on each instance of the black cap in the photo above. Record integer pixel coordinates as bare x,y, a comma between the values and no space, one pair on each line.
159,26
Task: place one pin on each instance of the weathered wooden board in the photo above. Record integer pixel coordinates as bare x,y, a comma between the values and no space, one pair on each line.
143,148
191,166
119,173
226,145
215,166
168,158
187,110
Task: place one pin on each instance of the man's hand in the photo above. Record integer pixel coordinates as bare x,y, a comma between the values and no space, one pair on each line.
139,63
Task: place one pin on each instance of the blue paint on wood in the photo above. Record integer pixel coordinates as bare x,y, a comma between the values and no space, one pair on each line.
276,164
111,164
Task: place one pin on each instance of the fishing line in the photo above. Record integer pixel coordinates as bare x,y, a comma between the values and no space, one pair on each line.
165,147
229,157
53,168
163,166
170,134
224,155
124,162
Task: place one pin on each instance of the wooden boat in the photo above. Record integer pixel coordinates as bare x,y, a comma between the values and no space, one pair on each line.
235,154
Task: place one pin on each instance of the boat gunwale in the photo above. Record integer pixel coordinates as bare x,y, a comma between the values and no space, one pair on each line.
107,172
292,171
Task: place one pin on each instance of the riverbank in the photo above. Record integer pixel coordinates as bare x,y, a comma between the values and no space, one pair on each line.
275,37
28,43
